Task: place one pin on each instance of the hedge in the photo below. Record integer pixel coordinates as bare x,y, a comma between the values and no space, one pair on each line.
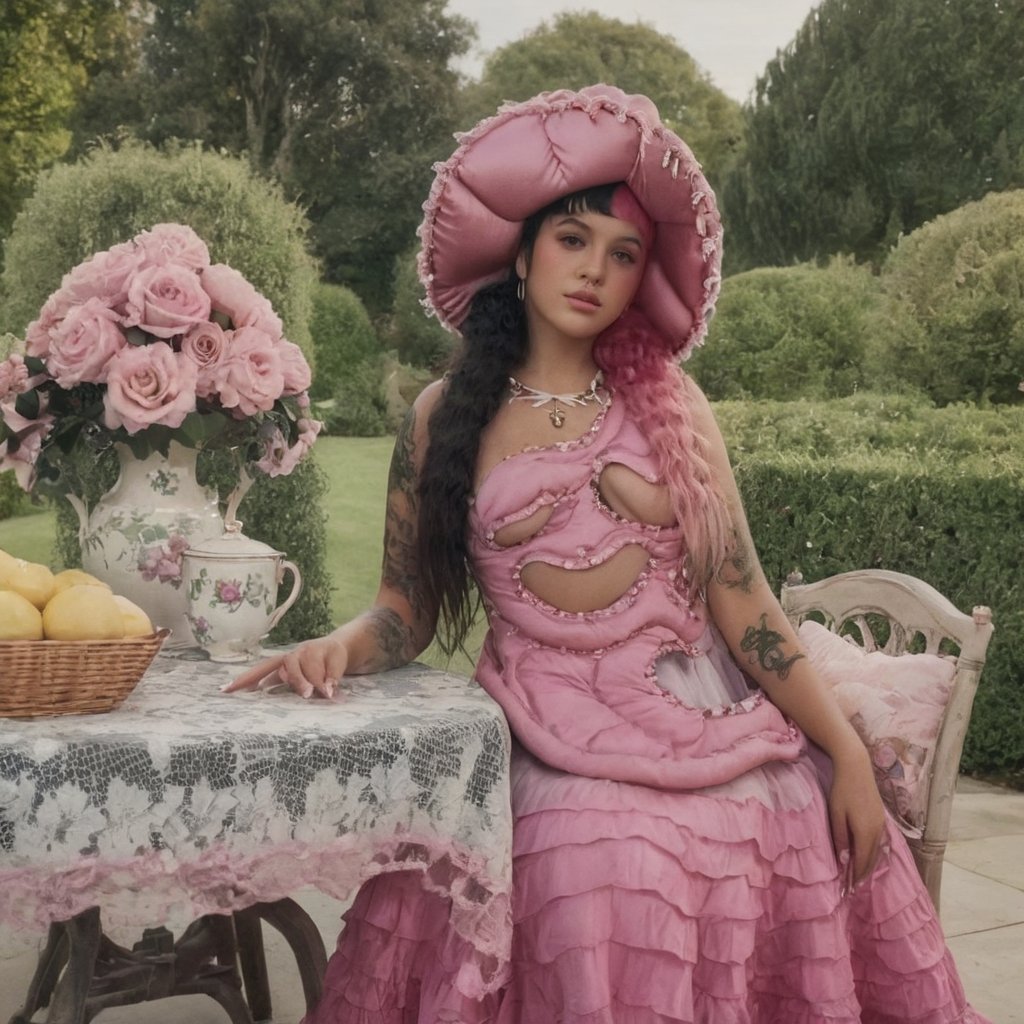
953,523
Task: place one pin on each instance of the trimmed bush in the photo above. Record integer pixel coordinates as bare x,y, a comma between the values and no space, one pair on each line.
13,499
359,407
108,197
868,422
789,332
953,320
343,337
417,338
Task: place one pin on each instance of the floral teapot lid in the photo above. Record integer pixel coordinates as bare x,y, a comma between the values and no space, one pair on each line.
232,543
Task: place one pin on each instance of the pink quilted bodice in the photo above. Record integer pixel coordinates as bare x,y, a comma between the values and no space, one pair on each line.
580,688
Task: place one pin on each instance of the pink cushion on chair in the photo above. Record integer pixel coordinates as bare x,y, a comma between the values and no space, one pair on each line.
896,705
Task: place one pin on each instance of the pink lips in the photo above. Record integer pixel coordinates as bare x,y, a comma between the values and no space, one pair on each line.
584,300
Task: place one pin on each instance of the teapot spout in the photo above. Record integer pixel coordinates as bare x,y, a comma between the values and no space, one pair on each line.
83,515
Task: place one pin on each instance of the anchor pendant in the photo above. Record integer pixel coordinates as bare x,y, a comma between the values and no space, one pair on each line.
556,416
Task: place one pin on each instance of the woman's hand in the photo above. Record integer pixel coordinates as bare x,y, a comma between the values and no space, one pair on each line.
856,815
314,667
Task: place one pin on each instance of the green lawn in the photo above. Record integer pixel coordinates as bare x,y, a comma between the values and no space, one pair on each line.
357,469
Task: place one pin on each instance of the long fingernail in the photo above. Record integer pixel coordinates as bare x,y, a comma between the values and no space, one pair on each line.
306,691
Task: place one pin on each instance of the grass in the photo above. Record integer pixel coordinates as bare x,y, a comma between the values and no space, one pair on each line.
357,470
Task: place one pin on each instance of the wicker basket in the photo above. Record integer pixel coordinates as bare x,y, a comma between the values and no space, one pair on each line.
40,678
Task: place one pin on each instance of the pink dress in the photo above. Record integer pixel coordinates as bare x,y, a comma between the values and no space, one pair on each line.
672,858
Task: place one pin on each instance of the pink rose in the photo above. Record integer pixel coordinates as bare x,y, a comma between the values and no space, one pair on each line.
37,334
233,296
229,591
173,243
297,376
13,376
82,345
148,384
104,276
205,345
249,377
166,300
21,449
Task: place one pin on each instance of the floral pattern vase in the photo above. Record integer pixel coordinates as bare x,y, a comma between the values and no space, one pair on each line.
135,536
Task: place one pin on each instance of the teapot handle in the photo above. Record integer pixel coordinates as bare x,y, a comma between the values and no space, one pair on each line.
275,617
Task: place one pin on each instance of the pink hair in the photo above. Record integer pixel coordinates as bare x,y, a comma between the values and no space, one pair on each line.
638,364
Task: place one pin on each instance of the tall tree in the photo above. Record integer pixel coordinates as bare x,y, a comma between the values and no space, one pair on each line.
346,102
880,115
579,49
48,50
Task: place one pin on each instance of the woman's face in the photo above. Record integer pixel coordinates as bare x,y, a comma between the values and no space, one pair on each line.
583,272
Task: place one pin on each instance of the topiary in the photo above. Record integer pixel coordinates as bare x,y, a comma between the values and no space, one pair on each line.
343,336
789,332
954,304
108,197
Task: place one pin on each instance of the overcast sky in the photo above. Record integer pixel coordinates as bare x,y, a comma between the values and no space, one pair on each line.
730,39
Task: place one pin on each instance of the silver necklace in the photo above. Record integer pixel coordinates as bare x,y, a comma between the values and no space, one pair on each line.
523,392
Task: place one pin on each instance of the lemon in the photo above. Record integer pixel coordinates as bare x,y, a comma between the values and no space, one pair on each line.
19,618
136,621
83,612
30,579
75,577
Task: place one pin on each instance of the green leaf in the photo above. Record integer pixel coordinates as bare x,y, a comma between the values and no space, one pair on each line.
137,336
34,365
27,404
221,319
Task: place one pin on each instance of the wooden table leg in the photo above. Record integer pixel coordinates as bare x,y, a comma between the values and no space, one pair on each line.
304,939
252,959
83,935
48,967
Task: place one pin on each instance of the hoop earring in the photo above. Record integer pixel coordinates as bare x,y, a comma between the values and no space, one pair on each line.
521,289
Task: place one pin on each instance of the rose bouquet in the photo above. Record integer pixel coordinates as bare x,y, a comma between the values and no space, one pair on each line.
147,343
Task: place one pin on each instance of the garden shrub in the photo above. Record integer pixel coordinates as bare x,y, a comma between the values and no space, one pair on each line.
789,332
343,336
417,338
876,422
944,520
359,406
13,499
108,197
953,318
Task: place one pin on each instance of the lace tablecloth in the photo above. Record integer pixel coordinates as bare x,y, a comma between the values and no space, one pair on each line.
186,801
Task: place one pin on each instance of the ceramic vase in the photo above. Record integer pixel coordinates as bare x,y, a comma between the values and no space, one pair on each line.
136,534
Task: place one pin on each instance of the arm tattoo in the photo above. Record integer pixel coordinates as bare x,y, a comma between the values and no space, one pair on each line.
393,636
399,570
764,646
741,564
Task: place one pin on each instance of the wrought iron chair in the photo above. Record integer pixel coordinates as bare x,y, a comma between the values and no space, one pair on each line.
895,614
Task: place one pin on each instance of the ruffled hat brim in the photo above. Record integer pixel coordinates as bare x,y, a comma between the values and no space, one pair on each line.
530,154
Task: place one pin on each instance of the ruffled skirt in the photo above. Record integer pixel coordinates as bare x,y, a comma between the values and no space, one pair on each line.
633,905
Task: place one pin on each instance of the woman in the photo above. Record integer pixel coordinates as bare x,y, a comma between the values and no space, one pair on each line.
672,859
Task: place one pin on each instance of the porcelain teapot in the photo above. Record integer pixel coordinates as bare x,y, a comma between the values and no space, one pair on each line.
231,586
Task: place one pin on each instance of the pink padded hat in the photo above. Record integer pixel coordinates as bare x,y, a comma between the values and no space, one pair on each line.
530,154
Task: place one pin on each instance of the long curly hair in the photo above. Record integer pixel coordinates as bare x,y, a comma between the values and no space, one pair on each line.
639,369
